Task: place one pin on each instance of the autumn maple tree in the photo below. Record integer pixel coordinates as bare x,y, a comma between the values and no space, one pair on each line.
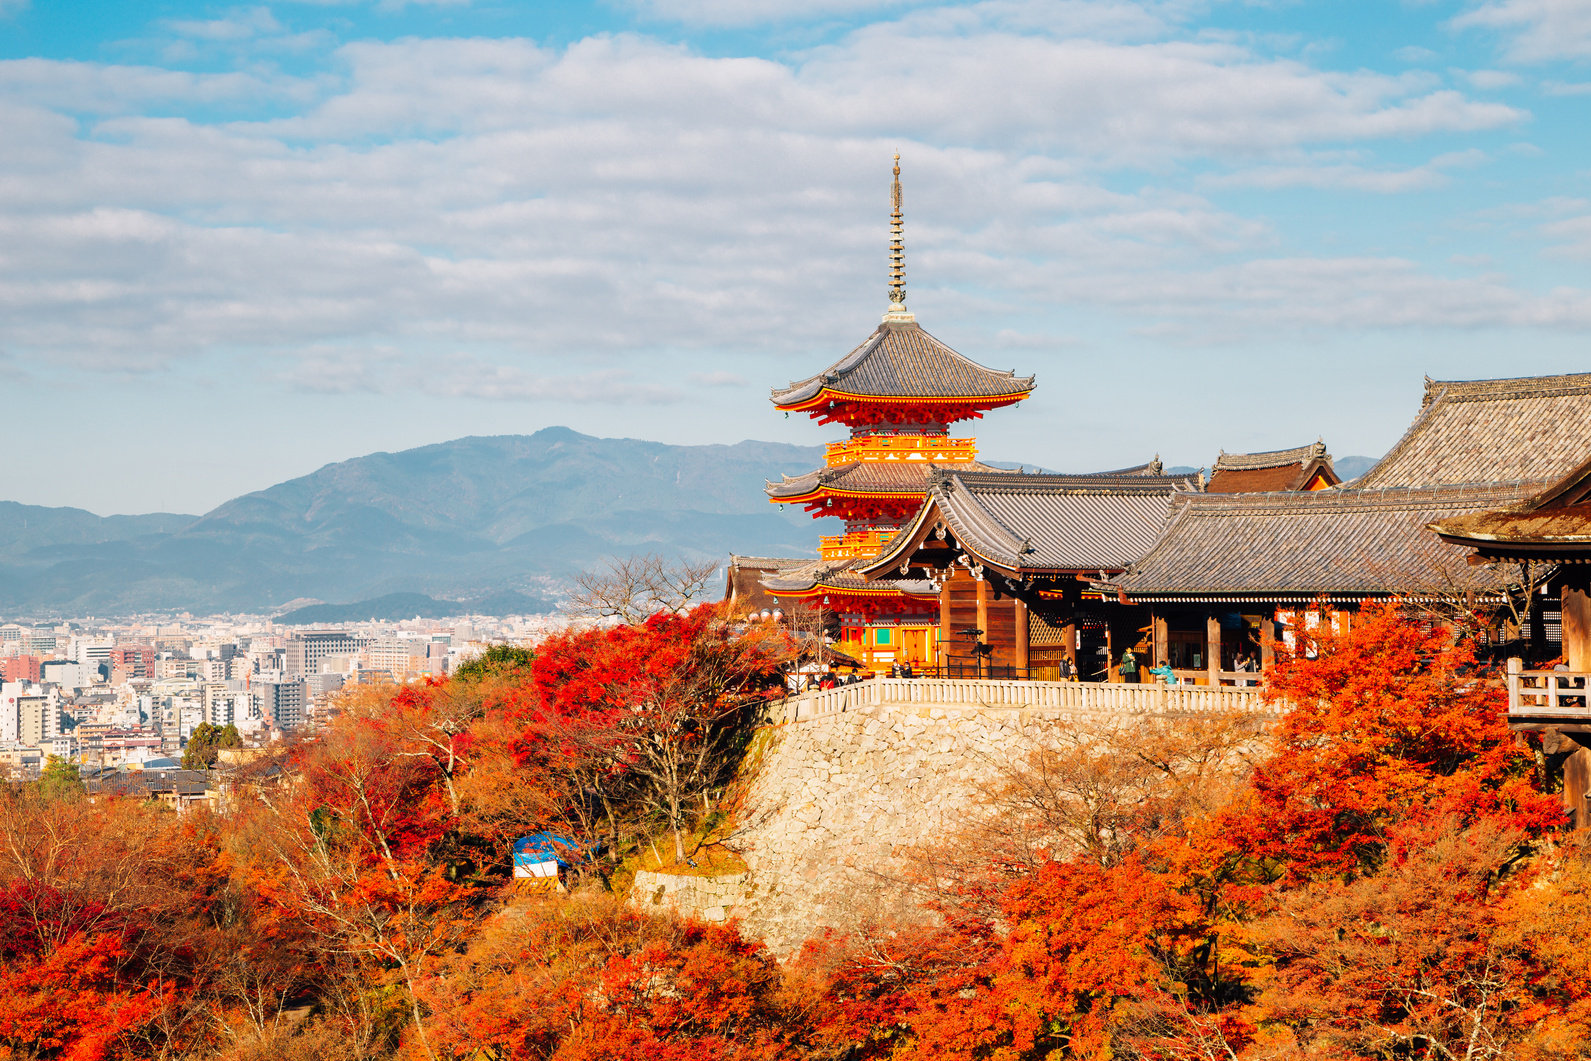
1375,875
660,707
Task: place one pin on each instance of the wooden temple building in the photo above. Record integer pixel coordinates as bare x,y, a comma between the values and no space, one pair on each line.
1012,558
898,393
1237,573
957,568
1233,575
1547,538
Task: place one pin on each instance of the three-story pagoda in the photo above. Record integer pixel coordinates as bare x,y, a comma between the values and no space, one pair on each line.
898,393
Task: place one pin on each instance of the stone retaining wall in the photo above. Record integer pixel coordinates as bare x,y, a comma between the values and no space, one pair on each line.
842,801
709,898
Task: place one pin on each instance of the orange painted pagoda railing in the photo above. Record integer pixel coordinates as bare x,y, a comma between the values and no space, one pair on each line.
853,544
940,449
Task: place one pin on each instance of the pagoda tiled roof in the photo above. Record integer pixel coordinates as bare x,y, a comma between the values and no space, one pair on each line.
1295,546
901,360
1276,458
867,477
743,579
1497,430
841,575
1042,522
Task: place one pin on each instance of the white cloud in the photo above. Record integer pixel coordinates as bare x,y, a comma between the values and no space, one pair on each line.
1347,176
1535,30
1570,236
95,88
1341,293
591,205
755,12
1491,80
327,369
240,24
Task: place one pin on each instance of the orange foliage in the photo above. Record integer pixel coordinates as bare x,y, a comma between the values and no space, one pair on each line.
593,979
1380,880
1392,721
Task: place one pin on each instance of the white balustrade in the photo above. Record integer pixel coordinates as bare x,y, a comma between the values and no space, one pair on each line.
1084,697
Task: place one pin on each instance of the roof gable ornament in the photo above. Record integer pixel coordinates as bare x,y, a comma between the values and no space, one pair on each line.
897,256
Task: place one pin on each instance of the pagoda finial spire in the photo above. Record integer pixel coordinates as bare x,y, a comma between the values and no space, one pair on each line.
897,254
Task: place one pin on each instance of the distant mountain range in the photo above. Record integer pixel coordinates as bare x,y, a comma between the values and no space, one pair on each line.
414,605
465,520
486,525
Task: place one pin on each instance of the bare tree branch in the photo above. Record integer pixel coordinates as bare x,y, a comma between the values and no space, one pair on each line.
632,589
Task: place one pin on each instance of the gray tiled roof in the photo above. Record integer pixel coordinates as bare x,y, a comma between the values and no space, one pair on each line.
899,477
1491,431
1047,522
838,573
1295,546
765,563
901,360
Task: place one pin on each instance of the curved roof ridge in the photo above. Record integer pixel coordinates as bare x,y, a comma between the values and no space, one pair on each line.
1512,388
986,527
1499,430
1295,546
1093,482
1154,467
1285,501
1275,458
885,476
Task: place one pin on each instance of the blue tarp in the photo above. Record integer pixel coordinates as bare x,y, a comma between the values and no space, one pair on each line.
544,847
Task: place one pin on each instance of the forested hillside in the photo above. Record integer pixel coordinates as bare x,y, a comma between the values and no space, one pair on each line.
1384,879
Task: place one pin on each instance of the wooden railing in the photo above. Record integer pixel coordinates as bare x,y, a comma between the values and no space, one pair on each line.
1090,697
1535,694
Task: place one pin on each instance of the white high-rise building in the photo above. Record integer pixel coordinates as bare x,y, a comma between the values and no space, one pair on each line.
91,651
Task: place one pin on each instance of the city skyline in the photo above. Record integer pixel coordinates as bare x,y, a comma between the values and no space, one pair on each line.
243,242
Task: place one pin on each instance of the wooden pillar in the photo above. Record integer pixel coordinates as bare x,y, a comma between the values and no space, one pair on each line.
1069,643
1576,786
1577,619
942,650
1267,643
983,619
1212,649
1162,640
1021,652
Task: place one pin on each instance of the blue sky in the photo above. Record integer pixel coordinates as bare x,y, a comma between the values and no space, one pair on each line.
238,242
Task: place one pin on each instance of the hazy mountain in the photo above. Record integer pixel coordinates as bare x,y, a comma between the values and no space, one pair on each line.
33,526
459,519
411,605
1353,467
